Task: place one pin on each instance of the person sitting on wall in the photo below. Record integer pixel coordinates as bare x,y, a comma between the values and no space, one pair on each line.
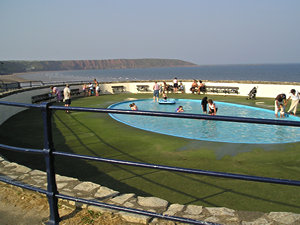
181,87
165,87
201,87
194,87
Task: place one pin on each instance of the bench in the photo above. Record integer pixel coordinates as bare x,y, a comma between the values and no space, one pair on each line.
143,88
74,92
50,97
9,86
222,89
42,98
118,89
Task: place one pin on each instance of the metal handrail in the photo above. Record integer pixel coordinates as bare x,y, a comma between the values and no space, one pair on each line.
49,153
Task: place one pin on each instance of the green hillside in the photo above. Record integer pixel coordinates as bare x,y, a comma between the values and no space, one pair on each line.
9,67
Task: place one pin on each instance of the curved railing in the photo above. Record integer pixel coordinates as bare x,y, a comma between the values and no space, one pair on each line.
49,153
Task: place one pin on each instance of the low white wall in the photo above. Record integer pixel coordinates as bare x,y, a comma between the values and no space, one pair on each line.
263,89
20,96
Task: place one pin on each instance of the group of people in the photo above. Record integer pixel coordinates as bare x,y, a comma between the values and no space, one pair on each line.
281,102
66,95
195,88
175,88
205,104
93,88
212,107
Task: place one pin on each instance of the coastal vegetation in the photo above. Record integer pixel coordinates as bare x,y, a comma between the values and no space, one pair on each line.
10,67
97,134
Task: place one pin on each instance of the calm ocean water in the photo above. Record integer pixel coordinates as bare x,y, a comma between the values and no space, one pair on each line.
267,72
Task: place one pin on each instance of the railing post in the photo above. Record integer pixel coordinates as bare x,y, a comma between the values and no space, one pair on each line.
49,160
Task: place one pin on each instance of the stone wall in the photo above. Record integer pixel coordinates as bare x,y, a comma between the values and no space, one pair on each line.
96,192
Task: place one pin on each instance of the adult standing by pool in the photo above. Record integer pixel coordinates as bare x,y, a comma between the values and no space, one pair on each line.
67,97
280,103
175,85
294,95
156,88
95,87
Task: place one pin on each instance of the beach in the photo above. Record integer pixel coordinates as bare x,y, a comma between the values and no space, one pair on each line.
12,78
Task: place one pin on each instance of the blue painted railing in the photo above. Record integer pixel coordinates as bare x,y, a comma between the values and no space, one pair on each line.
49,153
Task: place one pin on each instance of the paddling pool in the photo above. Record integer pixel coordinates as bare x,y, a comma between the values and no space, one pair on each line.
208,130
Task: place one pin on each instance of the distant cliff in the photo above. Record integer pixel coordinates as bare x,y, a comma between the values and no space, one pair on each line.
9,67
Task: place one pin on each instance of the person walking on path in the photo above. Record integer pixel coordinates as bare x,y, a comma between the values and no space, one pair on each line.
294,95
67,97
156,89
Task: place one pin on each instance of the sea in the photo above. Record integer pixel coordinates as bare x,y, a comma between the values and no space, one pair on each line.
261,72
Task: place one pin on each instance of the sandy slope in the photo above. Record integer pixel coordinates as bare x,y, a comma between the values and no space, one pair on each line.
11,78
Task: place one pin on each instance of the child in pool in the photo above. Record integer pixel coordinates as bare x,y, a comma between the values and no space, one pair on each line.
165,97
212,107
180,109
133,106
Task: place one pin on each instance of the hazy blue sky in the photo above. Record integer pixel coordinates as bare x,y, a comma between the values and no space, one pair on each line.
203,32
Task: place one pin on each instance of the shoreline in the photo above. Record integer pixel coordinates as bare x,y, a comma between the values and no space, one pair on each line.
12,78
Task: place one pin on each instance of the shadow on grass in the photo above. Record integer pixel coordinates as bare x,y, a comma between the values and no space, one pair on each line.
142,177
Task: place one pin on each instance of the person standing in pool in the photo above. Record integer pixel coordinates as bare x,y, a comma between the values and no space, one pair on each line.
294,95
213,108
204,104
280,103
156,88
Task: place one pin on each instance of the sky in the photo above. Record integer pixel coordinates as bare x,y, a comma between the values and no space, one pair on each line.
204,32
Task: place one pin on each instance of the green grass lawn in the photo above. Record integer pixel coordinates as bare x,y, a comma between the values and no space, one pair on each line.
96,134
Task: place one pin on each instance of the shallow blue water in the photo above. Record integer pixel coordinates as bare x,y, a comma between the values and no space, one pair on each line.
217,131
